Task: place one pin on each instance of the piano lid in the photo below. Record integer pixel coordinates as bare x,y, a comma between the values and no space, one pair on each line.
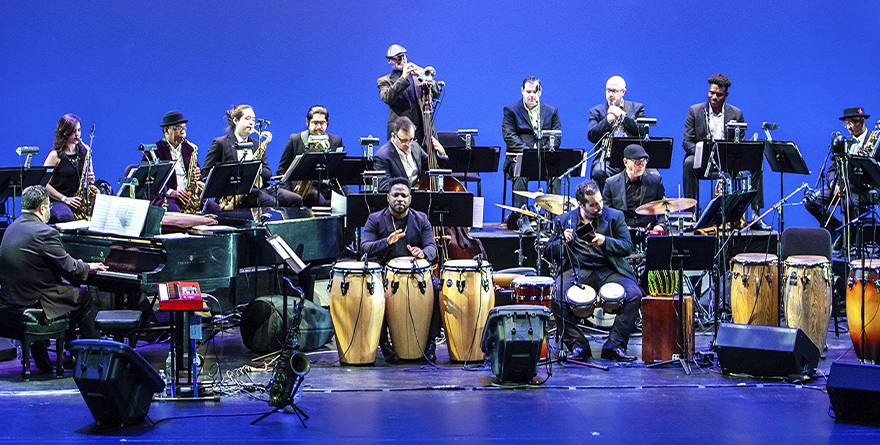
253,217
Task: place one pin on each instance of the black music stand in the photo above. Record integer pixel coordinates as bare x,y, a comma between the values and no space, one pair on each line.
446,209
737,204
473,160
151,178
313,166
351,169
658,149
784,157
734,156
679,252
359,206
13,180
231,178
549,165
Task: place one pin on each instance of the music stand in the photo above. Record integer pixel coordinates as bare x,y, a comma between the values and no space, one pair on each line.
151,178
784,157
658,149
13,180
231,178
734,156
359,206
313,166
351,169
550,164
446,209
737,204
473,160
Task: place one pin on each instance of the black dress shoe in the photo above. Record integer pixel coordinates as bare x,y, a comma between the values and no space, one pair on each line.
431,351
580,355
760,225
40,354
617,354
389,353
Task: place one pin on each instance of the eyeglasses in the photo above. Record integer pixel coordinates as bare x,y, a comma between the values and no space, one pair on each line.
404,141
179,128
613,91
639,162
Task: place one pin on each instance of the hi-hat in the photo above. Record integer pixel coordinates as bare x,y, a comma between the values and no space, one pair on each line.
518,210
554,204
528,194
665,205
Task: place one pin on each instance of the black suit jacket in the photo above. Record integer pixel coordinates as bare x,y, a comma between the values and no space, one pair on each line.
695,129
374,241
404,101
618,244
163,152
598,124
614,195
297,146
32,265
223,150
387,159
517,128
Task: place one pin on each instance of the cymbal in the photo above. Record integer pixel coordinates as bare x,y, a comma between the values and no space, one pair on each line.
527,194
665,205
554,204
518,210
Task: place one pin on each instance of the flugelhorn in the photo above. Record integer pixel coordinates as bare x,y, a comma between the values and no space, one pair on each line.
425,74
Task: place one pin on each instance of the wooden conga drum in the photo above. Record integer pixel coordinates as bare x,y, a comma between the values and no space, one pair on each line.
466,296
357,305
409,300
867,346
754,289
807,297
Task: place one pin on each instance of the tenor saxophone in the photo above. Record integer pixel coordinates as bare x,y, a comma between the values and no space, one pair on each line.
193,185
232,201
86,192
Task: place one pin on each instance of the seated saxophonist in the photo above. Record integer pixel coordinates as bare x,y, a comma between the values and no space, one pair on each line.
68,156
317,119
225,149
181,191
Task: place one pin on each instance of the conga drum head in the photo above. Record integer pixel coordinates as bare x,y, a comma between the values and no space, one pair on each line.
408,263
461,264
355,266
611,295
754,258
581,300
528,290
805,260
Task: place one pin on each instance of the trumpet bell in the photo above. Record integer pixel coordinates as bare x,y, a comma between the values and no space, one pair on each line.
429,73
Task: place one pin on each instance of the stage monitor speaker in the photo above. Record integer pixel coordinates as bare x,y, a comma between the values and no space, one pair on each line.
764,351
115,381
512,341
854,390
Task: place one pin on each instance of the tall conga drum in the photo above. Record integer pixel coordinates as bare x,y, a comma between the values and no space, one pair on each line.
807,281
754,289
409,300
866,340
357,305
466,296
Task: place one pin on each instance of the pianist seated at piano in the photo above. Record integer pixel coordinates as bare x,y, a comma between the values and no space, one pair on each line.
224,149
68,156
317,119
33,270
174,146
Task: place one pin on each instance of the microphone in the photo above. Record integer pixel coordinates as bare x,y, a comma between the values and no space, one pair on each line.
264,122
151,149
27,150
769,126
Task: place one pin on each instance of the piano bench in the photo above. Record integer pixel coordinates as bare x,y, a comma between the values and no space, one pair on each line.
28,325
119,324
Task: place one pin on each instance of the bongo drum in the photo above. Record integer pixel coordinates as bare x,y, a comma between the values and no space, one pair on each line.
754,289
865,277
581,300
409,300
807,299
533,290
357,304
611,297
466,295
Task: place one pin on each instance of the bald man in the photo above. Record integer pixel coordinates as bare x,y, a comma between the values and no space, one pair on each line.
614,114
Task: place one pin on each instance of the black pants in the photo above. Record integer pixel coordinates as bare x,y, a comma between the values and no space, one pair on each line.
601,171
521,183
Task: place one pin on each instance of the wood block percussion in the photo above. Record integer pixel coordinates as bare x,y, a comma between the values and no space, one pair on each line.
807,281
357,305
409,300
660,323
867,277
466,296
754,289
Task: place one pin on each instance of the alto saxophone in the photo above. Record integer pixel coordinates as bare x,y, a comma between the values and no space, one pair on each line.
302,188
292,365
86,192
232,201
869,147
193,185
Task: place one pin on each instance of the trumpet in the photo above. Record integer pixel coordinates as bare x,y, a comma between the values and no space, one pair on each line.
425,74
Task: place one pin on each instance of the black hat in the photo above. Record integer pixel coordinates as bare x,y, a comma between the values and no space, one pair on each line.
173,117
634,151
854,112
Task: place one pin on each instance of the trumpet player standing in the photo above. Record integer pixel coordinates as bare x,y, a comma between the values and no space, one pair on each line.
402,91
68,156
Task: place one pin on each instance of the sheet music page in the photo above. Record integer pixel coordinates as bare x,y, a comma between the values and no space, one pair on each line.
698,156
517,167
293,165
478,211
338,204
119,216
73,225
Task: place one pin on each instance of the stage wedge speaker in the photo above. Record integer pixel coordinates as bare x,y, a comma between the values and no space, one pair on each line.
764,351
854,390
512,341
115,381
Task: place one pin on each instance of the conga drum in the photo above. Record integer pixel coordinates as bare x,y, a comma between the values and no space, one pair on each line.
581,300
409,300
807,281
466,296
533,290
754,289
865,277
357,305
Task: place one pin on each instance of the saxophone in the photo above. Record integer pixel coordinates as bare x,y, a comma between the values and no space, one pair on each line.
232,201
292,366
302,188
193,185
869,147
86,192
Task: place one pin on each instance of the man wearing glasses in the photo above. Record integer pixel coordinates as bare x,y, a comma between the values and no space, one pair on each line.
615,117
402,91
403,157
634,186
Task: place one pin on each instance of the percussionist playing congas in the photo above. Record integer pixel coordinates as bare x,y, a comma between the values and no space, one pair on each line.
399,231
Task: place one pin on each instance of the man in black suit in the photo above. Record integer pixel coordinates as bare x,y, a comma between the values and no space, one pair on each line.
522,119
592,241
33,264
398,231
224,149
403,91
714,115
615,116
403,157
317,120
634,186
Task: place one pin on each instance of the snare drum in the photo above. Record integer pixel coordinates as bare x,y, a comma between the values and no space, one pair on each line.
581,300
867,347
409,300
807,282
533,290
466,296
754,289
357,305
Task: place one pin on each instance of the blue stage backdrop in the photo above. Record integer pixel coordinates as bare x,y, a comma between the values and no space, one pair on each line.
121,65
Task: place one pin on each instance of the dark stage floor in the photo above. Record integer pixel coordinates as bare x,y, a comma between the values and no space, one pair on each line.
420,403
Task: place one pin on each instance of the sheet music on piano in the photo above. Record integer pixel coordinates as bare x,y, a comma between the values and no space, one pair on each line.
119,216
